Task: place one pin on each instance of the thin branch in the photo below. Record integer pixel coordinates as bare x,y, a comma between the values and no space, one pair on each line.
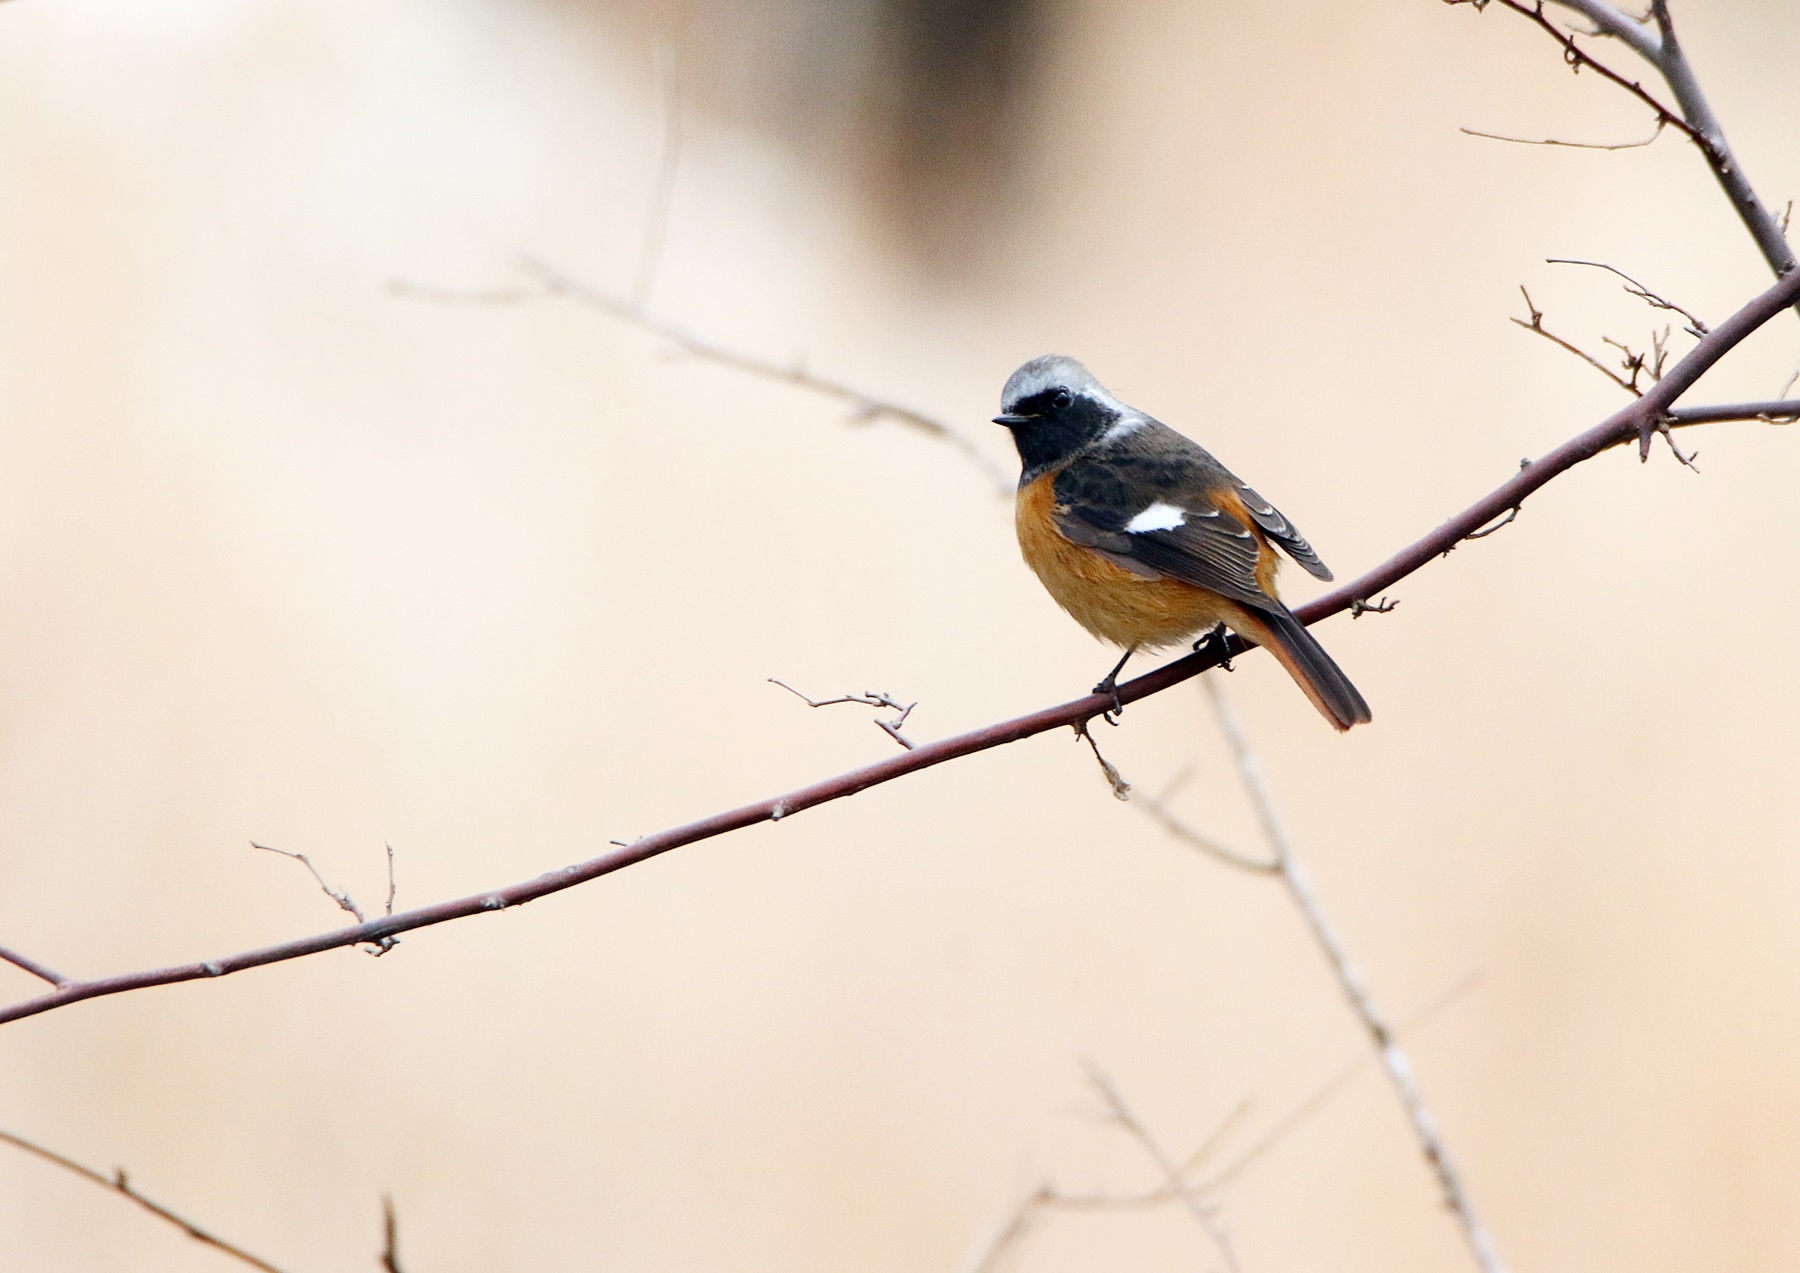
1120,788
870,698
342,898
1299,885
1695,327
33,967
1158,809
1642,419
1571,145
1047,1197
121,1185
1358,608
1309,1107
1536,324
1578,57
554,283
1782,411
1188,1195
1511,514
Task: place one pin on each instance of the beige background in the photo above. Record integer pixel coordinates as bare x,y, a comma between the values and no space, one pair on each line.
287,557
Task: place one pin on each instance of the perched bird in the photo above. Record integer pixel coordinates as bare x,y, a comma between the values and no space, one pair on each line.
1146,539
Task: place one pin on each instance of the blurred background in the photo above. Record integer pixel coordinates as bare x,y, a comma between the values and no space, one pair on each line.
291,554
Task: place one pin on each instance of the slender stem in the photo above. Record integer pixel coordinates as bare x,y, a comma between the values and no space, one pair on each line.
1679,74
1294,875
33,967
118,1183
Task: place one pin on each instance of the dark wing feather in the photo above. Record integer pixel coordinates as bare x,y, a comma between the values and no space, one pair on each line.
1283,532
1211,549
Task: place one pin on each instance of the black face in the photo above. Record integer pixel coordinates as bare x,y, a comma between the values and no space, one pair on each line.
1050,426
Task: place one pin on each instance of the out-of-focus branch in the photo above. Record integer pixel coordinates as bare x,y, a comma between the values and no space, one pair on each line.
1187,1194
1157,807
120,1184
1047,1197
550,282
1642,419
390,1237
1294,875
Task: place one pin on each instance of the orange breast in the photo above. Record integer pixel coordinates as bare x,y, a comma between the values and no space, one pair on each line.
1109,601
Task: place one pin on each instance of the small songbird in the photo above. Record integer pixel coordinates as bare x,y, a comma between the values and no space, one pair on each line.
1146,539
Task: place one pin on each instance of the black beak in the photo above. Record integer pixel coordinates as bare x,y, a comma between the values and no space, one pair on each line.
1010,420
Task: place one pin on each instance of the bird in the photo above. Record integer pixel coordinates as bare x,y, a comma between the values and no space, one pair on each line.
1147,540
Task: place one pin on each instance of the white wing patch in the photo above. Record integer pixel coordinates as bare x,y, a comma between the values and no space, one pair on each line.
1159,516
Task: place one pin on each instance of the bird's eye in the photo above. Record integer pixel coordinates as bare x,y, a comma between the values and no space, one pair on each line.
1062,399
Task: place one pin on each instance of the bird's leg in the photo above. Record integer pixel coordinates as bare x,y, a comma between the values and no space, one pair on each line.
1217,634
1110,685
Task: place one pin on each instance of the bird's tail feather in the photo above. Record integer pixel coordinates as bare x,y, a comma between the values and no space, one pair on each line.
1313,670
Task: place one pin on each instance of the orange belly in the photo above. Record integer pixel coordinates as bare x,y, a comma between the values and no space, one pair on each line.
1110,601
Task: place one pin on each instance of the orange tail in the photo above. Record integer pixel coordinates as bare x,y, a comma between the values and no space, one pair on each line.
1324,682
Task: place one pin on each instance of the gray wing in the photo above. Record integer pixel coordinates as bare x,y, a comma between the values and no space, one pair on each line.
1283,532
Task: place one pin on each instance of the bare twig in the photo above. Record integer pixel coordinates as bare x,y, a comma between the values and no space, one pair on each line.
1485,531
1642,419
393,888
1299,885
1189,1195
870,698
1048,1197
1321,1096
121,1185
33,967
1695,327
1359,608
1157,807
1120,788
1536,324
1572,145
555,283
1578,57
343,898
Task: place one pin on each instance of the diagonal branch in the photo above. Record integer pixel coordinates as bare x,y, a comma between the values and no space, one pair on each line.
121,1184
551,282
1642,419
1298,880
1654,40
33,967
1179,1186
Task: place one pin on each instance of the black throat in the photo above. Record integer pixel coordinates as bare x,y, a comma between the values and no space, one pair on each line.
1053,436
